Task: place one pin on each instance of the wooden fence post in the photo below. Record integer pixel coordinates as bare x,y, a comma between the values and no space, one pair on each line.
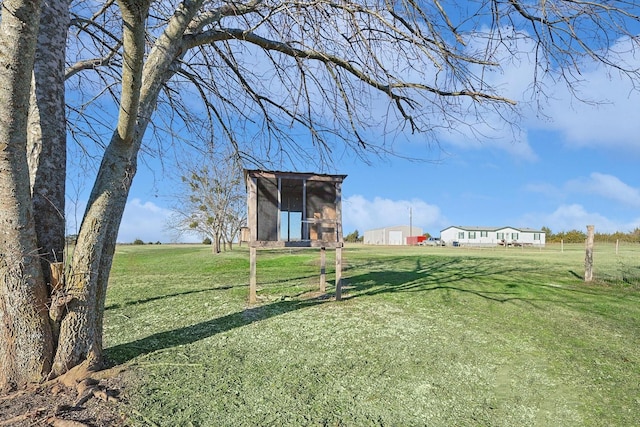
252,276
323,269
338,273
588,259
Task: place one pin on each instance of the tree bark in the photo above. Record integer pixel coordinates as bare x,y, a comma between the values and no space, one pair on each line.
26,344
46,136
81,328
216,244
25,334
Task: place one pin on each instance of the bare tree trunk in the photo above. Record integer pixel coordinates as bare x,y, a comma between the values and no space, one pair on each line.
46,137
215,245
81,328
25,335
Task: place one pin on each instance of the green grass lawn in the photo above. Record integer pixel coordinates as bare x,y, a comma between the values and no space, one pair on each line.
424,336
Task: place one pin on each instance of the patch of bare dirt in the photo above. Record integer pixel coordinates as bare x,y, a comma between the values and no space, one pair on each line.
80,398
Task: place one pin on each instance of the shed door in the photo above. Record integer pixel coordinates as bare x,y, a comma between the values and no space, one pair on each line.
395,237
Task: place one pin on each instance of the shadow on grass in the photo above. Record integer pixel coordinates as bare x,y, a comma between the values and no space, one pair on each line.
177,294
437,274
488,279
190,334
197,291
428,275
576,275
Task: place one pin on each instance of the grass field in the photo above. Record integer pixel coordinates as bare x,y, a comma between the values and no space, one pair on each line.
424,336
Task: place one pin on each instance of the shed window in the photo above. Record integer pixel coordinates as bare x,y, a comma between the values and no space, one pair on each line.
291,191
290,226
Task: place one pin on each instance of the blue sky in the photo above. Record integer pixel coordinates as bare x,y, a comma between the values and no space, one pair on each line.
568,164
550,178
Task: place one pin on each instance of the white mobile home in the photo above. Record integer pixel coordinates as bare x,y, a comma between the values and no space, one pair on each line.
492,236
391,235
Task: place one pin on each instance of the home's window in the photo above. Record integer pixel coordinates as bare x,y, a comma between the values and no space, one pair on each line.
500,236
484,234
461,235
472,234
514,236
536,236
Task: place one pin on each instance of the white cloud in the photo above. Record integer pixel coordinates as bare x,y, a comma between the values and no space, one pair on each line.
362,214
608,117
597,184
611,126
607,186
147,221
612,120
141,220
599,110
490,132
499,128
574,217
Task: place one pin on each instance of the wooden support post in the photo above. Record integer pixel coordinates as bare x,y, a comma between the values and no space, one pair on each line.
57,275
338,273
323,269
252,279
588,259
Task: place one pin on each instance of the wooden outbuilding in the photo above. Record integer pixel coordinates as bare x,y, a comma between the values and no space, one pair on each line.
292,209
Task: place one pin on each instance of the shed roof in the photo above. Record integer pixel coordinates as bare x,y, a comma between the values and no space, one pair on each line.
294,175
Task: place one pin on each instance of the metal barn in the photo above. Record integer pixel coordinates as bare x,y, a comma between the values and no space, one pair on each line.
396,235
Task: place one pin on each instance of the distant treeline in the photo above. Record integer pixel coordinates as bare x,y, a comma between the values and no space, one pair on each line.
577,236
